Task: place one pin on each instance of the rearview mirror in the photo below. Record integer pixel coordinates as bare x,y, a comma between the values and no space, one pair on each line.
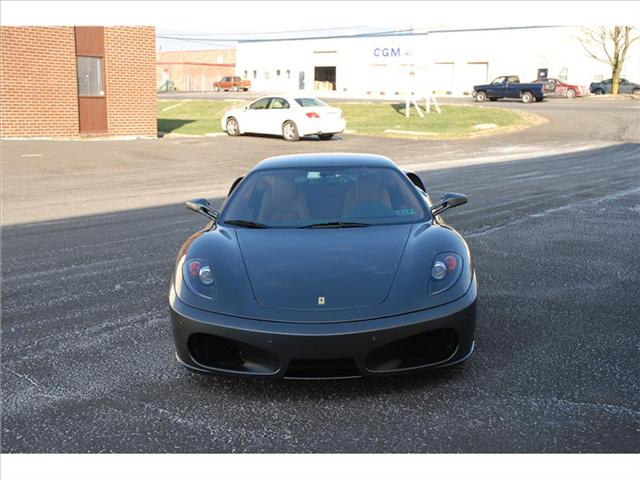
202,206
448,200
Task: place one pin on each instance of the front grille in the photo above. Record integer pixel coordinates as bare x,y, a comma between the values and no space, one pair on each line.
226,354
428,348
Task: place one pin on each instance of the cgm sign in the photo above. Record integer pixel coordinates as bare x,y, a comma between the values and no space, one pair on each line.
386,52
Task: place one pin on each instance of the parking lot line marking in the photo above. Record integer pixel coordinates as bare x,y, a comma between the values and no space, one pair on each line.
171,106
31,155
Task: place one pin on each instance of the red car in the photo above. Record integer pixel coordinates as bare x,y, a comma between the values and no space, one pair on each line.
555,86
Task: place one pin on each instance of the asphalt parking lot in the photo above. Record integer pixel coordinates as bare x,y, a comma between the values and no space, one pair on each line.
93,229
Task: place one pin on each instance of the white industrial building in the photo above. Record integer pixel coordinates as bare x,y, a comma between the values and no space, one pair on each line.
448,62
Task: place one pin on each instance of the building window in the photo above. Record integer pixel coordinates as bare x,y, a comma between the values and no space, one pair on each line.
90,80
255,74
246,74
288,74
266,75
278,73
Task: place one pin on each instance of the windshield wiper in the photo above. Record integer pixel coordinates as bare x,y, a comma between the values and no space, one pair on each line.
246,223
336,225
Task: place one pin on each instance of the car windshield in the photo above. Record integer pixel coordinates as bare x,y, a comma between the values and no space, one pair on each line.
310,102
324,197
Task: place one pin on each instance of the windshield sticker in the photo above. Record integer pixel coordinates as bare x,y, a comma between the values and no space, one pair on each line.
406,212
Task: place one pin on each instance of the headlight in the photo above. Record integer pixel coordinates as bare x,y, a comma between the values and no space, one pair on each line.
199,277
445,272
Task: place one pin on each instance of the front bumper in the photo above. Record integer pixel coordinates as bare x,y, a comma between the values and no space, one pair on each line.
435,337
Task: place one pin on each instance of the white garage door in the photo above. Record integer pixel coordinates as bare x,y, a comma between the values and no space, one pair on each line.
442,77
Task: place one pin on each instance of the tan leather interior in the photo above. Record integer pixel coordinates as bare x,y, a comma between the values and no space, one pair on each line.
284,201
368,188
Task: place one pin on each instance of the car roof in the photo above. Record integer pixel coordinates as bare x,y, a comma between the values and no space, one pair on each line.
311,160
288,97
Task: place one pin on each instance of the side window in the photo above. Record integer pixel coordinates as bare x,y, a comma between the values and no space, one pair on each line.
260,104
623,81
513,80
89,72
279,103
498,81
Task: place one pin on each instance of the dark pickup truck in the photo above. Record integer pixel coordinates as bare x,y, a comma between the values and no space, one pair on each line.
509,86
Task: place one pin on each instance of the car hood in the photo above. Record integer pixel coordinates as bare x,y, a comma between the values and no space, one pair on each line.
322,269
363,273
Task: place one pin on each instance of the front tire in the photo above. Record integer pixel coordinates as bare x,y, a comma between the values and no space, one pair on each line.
598,91
636,92
233,129
571,93
326,136
526,97
290,131
481,96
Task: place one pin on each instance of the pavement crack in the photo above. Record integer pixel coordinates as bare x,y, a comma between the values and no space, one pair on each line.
23,376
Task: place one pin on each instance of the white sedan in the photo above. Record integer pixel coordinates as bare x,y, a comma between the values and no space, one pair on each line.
290,116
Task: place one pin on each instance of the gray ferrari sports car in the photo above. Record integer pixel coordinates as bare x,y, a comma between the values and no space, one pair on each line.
324,266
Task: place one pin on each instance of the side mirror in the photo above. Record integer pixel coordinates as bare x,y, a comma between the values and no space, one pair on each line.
202,206
447,201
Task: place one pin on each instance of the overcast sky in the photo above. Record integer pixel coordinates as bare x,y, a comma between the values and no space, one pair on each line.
206,20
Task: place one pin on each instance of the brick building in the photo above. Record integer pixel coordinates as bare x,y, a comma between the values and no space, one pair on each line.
77,81
194,70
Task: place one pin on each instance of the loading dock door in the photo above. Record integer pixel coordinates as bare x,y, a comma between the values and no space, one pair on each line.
442,77
476,73
324,78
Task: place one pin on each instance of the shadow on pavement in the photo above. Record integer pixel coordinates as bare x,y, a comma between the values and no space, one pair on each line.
168,125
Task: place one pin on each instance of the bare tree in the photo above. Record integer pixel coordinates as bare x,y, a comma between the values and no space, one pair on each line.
610,46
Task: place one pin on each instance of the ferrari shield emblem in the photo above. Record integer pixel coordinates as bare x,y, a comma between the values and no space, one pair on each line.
320,300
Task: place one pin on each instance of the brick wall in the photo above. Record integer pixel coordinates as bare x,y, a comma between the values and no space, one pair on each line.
195,70
38,86
38,82
130,80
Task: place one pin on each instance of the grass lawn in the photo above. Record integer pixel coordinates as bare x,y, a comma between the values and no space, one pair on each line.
455,121
198,117
192,117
